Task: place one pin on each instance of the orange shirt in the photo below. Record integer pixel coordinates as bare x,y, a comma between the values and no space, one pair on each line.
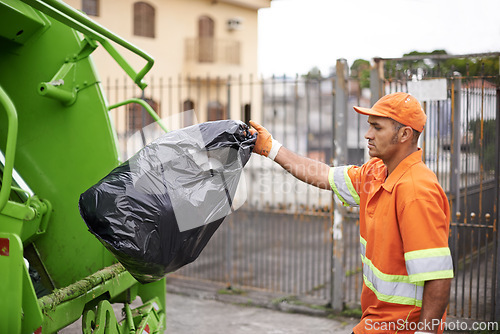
404,224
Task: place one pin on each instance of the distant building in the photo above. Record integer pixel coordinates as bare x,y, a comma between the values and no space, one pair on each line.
199,46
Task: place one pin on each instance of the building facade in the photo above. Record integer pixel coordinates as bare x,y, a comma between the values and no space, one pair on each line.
198,45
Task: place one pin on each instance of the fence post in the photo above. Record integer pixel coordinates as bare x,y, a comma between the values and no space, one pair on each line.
340,158
376,80
228,87
455,144
143,119
496,302
229,251
229,235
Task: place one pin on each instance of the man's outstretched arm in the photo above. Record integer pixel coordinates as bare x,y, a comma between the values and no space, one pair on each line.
307,170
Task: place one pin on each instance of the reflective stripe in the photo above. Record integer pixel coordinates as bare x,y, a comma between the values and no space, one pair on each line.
417,291
362,240
334,187
442,251
342,186
362,245
397,289
362,249
422,277
391,288
429,264
350,186
386,277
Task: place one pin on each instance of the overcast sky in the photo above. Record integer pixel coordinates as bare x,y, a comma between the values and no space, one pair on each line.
296,35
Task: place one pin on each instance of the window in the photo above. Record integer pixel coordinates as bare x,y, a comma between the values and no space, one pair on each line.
206,39
144,20
90,7
138,117
215,111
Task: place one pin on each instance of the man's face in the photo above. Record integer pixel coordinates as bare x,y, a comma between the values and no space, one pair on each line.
382,137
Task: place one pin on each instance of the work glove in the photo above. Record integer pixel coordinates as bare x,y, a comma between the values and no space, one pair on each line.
265,145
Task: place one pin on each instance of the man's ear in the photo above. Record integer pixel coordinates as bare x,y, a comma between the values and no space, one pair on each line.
406,134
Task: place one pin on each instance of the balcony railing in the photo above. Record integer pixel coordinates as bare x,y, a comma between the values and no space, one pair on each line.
213,50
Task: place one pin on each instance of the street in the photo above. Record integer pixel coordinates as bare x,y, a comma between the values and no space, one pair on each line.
195,307
188,315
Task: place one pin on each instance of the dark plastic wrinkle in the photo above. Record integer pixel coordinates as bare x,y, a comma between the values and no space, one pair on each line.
140,227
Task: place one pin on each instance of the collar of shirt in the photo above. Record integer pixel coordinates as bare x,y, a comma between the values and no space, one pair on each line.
401,169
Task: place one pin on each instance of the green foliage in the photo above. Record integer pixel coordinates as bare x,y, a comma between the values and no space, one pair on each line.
231,291
360,69
352,312
473,66
417,53
314,73
285,299
429,67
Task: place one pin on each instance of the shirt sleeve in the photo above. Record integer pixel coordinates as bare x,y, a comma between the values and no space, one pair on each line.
424,230
341,181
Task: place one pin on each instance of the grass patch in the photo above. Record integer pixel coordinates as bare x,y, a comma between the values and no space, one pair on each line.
232,291
319,307
285,299
249,303
352,312
294,300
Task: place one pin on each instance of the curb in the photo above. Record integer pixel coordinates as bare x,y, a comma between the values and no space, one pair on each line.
251,297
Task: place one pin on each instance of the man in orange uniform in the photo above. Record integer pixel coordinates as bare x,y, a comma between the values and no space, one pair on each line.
404,218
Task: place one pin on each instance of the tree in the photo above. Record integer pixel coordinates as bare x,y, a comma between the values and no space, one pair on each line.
432,66
314,73
472,66
360,69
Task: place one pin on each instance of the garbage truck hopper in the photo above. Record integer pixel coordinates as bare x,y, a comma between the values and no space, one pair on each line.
57,140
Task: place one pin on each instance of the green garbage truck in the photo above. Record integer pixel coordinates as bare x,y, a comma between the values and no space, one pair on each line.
57,140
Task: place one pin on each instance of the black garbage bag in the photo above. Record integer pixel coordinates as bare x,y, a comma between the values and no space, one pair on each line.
158,210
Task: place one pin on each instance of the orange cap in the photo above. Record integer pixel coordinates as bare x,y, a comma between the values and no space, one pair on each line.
401,107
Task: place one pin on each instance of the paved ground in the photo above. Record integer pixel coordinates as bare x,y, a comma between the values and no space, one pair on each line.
200,308
188,315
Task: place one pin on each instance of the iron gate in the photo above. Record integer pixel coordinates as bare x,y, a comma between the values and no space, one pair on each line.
280,241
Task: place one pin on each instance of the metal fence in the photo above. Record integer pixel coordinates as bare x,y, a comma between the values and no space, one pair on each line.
287,237
280,240
273,251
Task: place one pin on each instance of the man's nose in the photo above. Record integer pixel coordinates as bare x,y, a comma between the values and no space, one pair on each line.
368,134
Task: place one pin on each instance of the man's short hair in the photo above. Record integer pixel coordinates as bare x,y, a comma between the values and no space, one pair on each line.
397,126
